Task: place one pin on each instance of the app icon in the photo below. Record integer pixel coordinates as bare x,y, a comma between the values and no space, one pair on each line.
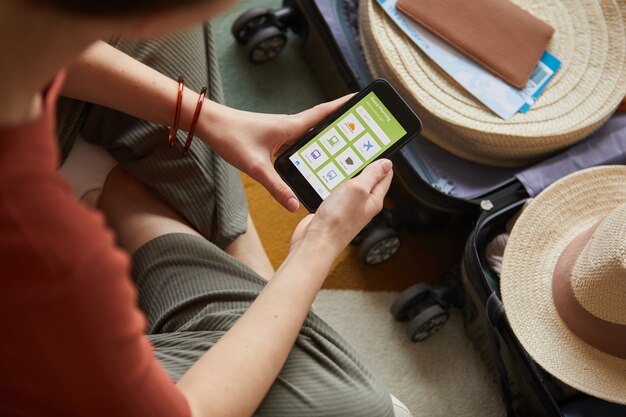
351,127
297,162
315,154
332,141
367,146
330,175
349,161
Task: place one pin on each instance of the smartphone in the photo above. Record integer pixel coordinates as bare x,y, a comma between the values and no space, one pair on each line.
373,124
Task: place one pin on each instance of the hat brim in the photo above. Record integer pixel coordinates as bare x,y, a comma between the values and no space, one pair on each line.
590,41
560,213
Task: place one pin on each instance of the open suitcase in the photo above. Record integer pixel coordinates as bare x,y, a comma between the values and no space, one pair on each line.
435,181
434,188
526,389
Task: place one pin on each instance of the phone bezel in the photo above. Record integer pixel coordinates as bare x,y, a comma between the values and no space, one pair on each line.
389,97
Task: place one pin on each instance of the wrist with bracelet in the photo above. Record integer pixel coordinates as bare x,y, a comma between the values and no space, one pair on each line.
171,137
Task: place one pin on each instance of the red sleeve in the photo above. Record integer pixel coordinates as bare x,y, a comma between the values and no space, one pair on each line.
72,336
72,340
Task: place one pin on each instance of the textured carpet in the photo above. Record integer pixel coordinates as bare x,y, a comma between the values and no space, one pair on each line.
442,376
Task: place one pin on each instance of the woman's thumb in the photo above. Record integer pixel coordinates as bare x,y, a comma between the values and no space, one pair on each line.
309,118
374,173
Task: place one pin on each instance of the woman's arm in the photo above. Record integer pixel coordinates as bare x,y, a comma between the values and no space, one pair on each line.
110,78
249,141
233,377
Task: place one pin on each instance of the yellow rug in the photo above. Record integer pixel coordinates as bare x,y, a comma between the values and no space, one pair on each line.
422,257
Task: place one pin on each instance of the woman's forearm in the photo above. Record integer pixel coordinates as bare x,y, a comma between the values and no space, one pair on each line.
233,377
106,76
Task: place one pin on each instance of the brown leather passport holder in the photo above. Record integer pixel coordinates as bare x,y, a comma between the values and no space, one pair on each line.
499,35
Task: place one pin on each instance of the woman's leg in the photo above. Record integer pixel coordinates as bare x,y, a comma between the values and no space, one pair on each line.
139,216
249,250
192,292
136,214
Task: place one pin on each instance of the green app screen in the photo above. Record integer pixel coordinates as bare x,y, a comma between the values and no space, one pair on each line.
352,141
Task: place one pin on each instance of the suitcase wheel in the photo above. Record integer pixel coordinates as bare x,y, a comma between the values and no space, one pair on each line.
247,25
428,322
408,303
378,245
266,44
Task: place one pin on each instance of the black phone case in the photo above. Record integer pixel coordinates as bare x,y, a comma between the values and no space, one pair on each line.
398,107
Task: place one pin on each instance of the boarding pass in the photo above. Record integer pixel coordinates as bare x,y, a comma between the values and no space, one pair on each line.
502,98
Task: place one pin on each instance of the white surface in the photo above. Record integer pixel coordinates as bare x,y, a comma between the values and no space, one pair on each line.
443,376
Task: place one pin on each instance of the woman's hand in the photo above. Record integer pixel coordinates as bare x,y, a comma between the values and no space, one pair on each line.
347,210
250,141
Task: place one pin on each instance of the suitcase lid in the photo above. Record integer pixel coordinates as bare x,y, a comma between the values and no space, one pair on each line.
467,183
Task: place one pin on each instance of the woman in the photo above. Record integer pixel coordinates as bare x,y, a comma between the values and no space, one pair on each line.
73,340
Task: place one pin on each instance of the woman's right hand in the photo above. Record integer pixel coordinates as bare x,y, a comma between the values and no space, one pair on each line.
347,210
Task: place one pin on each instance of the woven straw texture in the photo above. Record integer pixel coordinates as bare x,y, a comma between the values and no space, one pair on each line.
599,274
589,40
563,211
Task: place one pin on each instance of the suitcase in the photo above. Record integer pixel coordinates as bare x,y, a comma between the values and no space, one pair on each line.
432,188
522,382
329,33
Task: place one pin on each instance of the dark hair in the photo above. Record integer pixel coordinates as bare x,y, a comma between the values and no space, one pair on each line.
114,7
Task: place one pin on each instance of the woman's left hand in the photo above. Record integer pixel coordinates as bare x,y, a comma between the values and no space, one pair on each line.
250,141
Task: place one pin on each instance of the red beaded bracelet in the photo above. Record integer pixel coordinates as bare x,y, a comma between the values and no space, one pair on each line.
171,137
194,121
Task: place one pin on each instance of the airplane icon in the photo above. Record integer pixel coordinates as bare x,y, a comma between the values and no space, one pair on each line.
368,145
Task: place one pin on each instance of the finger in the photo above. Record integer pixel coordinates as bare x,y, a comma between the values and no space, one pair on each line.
374,173
380,190
311,117
281,192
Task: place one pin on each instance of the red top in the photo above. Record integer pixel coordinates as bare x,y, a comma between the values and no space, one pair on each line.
71,337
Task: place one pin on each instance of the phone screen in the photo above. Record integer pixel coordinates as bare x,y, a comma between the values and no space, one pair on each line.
341,150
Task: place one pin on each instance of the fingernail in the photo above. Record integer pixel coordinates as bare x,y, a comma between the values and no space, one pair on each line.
385,164
292,204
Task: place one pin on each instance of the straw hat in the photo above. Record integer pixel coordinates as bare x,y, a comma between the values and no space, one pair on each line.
563,281
590,41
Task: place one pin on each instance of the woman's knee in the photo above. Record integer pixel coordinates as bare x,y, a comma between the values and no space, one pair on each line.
135,213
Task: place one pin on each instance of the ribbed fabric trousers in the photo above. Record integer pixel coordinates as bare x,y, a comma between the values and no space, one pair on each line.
192,291
201,186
